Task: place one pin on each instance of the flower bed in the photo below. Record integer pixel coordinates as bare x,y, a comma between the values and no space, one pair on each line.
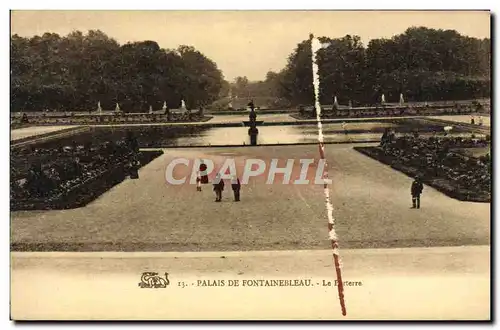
81,192
71,176
438,163
107,119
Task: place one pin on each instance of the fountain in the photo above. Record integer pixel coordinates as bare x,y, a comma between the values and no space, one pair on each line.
230,97
183,105
252,131
99,109
150,109
382,99
401,99
166,111
117,108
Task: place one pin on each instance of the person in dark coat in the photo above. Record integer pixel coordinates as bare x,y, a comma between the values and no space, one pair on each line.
416,190
236,185
218,188
24,119
134,169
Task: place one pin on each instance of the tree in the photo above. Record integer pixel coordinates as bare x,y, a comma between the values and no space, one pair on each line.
421,63
203,80
240,87
296,83
76,71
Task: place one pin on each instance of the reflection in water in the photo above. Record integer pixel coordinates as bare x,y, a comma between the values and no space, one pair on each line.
239,136
191,135
197,135
283,134
270,135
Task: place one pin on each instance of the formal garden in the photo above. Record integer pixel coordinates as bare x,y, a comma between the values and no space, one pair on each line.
72,174
459,167
380,110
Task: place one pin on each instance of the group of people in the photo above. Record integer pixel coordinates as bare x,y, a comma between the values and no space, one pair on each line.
478,121
219,185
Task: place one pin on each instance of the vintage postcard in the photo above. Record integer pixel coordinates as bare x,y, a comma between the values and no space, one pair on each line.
250,165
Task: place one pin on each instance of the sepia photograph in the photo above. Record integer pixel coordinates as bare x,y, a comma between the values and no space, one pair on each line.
250,165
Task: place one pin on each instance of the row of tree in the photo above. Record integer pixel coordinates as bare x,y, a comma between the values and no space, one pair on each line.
423,64
76,71
265,93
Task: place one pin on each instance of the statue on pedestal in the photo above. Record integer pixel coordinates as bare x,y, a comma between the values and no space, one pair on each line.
166,110
335,106
117,109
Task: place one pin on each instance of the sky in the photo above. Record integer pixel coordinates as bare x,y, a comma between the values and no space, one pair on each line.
245,43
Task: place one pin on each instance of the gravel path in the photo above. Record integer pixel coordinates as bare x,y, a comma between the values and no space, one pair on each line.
25,132
372,204
464,119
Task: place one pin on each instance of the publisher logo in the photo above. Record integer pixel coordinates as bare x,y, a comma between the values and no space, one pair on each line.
153,280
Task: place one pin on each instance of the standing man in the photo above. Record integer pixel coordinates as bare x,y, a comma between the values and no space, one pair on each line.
218,188
236,185
416,190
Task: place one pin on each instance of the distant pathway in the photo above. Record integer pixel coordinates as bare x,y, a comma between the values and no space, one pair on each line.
21,133
464,119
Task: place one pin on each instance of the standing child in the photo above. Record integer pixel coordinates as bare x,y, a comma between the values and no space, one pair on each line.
203,174
198,181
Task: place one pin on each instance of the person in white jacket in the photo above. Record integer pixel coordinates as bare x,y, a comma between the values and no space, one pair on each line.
198,181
